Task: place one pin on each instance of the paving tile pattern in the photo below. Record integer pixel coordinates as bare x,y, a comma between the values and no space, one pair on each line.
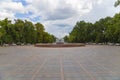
82,63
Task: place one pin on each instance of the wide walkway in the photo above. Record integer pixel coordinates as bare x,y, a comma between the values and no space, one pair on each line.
81,63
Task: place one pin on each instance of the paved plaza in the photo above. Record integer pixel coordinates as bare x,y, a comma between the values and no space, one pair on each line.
91,62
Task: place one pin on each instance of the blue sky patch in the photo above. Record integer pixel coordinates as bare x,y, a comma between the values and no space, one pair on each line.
20,15
22,1
35,19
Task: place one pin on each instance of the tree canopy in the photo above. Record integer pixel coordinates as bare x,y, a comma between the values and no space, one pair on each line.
23,32
103,31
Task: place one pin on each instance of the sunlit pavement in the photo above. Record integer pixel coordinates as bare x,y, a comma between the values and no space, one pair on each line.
80,63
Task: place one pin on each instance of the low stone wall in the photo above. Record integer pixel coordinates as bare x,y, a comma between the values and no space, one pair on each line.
60,45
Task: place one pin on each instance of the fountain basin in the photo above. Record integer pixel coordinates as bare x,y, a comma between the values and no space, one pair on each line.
61,45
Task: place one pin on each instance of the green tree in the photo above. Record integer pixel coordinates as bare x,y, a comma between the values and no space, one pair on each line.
66,38
39,32
100,29
19,31
23,32
81,32
103,31
117,3
47,38
6,26
29,32
113,31
2,33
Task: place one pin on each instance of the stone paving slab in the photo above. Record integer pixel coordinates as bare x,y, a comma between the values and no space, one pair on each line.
78,63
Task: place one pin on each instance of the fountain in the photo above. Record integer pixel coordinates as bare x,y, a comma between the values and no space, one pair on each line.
60,43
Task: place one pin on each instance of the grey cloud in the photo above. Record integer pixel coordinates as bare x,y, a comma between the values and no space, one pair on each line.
61,13
62,25
59,31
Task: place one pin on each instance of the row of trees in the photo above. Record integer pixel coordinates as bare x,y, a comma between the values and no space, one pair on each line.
23,32
103,31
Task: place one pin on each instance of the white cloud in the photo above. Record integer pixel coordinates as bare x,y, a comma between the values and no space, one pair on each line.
8,9
13,6
5,14
100,1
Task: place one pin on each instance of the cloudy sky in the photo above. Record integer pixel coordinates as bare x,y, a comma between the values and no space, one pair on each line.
58,16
